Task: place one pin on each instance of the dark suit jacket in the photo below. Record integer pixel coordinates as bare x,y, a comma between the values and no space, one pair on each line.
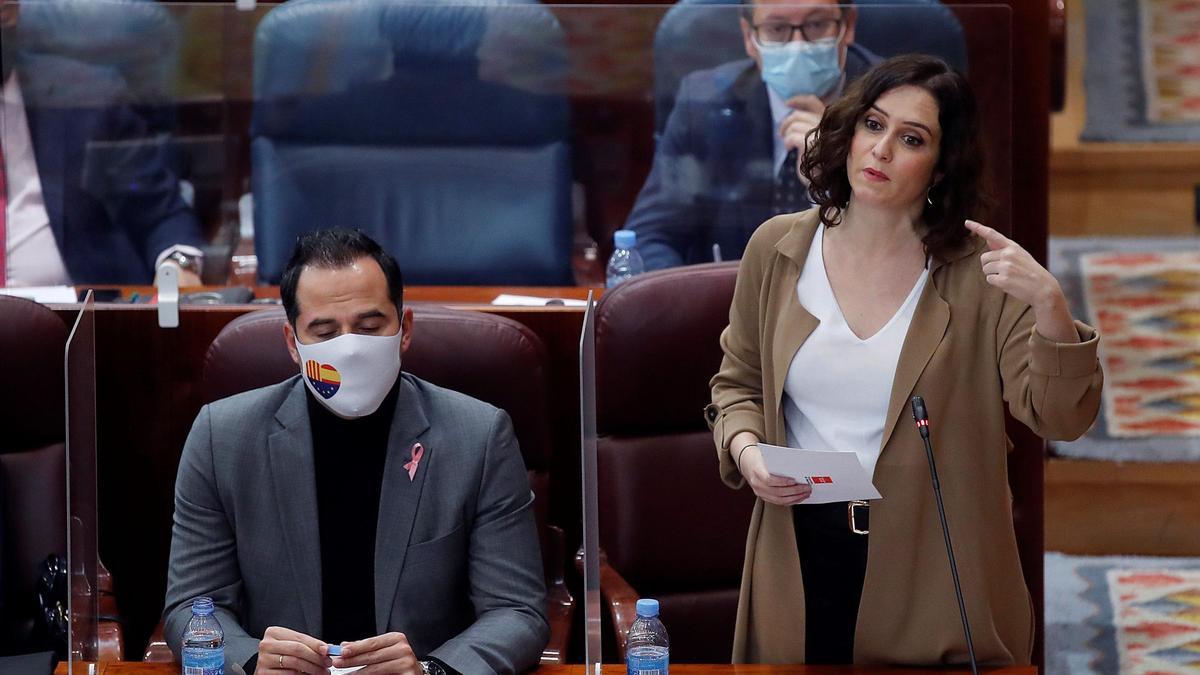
713,173
112,201
457,566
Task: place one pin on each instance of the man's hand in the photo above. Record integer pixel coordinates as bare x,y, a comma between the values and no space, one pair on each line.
189,278
387,654
283,650
186,277
806,114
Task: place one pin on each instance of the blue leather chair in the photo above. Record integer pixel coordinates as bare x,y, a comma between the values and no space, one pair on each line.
441,131
135,40
698,34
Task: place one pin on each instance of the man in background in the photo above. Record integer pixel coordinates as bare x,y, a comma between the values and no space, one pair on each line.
728,156
87,194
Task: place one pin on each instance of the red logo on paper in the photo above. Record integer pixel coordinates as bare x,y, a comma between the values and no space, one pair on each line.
822,479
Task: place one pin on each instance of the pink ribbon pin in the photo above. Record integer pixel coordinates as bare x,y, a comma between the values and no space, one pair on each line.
418,451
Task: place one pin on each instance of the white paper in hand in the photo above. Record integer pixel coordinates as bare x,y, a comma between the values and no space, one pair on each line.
835,476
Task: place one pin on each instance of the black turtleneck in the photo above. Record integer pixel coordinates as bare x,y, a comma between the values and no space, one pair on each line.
349,456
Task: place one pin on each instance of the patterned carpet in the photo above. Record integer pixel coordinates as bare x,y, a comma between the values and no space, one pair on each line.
1144,296
1171,63
1147,306
1142,74
1135,615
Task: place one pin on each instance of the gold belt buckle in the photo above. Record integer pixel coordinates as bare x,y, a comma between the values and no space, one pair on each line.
850,506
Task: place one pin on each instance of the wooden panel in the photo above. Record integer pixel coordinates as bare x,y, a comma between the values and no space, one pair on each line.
1128,201
1114,188
1129,508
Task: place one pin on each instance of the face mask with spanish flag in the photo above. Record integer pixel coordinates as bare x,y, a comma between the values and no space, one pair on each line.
351,374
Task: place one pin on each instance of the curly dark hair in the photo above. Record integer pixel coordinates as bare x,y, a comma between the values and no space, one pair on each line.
961,192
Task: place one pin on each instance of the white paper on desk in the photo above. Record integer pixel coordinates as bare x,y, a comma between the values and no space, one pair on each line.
835,476
534,301
344,671
43,294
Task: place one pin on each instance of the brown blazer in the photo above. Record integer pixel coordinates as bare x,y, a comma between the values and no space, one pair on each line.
971,348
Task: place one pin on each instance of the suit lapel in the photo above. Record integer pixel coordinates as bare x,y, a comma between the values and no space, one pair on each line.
293,479
925,333
761,140
791,334
399,498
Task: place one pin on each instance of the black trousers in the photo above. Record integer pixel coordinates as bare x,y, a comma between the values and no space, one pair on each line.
833,561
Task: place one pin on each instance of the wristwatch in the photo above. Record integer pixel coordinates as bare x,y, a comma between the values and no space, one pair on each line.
189,263
432,668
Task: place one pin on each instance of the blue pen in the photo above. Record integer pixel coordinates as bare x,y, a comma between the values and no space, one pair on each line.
335,650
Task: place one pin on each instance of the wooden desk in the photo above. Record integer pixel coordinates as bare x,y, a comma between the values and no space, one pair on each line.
1098,188
130,668
472,297
148,394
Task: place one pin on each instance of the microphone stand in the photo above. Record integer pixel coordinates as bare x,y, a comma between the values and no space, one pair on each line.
922,420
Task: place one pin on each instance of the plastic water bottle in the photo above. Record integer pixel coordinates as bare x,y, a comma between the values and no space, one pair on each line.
625,261
648,651
203,641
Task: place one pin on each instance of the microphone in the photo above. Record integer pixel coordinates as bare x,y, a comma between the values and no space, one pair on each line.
922,419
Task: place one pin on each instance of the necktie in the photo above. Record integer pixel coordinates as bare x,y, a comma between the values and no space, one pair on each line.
790,194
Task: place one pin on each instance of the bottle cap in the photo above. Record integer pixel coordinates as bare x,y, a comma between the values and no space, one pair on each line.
647,607
202,606
625,238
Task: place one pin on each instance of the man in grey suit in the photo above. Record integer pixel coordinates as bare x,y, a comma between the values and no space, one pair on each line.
356,504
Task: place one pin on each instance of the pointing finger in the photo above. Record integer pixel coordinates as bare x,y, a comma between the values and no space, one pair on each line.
994,239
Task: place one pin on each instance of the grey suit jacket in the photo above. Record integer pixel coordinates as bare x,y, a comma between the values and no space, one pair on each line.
457,564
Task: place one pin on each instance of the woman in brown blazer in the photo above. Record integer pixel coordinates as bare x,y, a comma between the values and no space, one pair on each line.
841,314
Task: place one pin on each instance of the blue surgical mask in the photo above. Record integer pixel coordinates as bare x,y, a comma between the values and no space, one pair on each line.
799,67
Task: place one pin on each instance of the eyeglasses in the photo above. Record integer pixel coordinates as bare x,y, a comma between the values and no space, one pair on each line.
776,33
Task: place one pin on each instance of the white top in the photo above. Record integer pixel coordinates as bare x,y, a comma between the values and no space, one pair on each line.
838,386
33,258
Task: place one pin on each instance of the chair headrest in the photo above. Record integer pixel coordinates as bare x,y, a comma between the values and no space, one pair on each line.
32,342
488,357
659,332
135,39
387,72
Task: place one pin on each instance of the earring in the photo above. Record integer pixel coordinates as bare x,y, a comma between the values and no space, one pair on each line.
929,200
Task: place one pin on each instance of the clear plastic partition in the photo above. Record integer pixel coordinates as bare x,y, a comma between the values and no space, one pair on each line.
481,143
82,557
590,548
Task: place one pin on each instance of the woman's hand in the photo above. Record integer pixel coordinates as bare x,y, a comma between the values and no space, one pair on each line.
1010,268
770,488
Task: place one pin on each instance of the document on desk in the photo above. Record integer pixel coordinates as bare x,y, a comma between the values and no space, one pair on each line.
536,301
44,294
835,476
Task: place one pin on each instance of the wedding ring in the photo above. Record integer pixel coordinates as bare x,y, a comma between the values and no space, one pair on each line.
281,661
